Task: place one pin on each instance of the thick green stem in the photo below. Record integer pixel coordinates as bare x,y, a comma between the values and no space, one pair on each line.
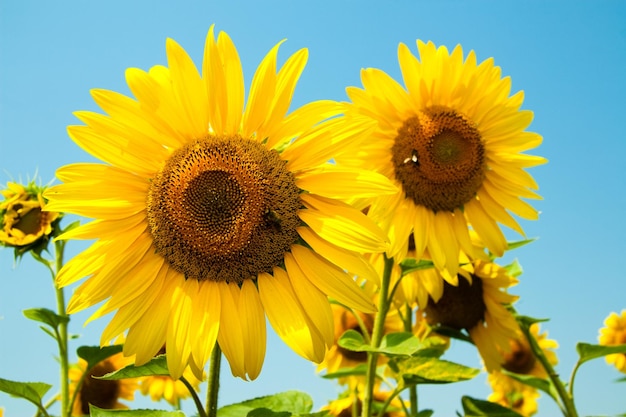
566,398
62,335
214,381
377,335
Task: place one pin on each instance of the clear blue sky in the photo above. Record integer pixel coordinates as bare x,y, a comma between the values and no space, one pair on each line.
568,56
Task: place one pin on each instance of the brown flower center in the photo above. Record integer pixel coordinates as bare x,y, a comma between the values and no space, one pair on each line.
520,359
460,307
439,158
99,392
223,208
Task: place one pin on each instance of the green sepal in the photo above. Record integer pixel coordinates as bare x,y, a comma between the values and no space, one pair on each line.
392,344
409,265
587,352
96,354
359,370
156,366
519,243
473,407
100,412
538,383
526,321
281,404
30,391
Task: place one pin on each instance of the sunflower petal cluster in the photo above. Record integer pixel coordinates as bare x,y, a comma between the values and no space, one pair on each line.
215,209
614,333
453,140
23,221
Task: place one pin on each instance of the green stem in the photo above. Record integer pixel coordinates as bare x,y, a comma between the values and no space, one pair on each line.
377,335
566,398
408,327
214,381
195,397
63,337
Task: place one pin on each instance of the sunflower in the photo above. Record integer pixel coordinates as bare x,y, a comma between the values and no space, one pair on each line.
102,393
22,219
452,142
477,304
349,404
614,333
211,214
512,394
521,360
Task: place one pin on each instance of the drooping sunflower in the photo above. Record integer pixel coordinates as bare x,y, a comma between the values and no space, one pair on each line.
211,214
104,394
513,394
452,142
23,222
521,360
163,387
478,305
350,404
345,319
614,333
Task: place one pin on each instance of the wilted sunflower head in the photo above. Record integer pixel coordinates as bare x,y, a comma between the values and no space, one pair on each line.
23,222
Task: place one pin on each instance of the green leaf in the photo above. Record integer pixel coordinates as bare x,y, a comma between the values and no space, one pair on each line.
359,370
480,408
431,370
587,351
100,412
46,316
266,412
411,265
425,413
157,366
452,333
514,269
96,354
539,383
31,391
519,243
526,321
294,402
401,343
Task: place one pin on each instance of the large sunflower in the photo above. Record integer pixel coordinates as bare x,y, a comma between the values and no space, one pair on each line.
204,206
452,142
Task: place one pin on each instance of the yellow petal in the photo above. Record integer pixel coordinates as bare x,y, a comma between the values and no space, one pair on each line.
286,316
252,319
314,303
178,347
331,280
350,261
342,225
229,336
335,182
